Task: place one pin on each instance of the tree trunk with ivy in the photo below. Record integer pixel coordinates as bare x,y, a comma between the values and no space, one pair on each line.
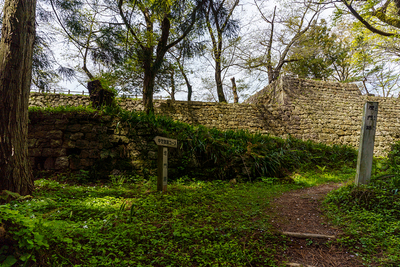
16,48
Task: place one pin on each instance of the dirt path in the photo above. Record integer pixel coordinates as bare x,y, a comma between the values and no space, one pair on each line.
299,211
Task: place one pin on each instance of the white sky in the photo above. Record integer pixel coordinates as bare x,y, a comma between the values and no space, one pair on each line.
200,66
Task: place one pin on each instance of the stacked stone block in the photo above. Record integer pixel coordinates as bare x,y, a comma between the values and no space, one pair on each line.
327,112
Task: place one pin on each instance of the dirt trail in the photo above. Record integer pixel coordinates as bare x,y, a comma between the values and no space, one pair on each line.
299,211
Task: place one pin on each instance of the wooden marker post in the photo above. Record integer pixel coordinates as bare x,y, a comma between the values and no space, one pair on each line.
162,160
367,139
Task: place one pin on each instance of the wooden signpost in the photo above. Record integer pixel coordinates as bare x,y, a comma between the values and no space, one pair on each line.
367,139
162,160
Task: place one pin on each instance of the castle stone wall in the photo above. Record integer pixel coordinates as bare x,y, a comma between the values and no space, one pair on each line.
325,112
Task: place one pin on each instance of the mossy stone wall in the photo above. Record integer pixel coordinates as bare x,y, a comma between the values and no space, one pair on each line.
78,141
327,112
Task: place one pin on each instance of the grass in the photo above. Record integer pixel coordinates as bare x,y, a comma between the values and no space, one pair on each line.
370,215
126,222
206,222
320,176
194,224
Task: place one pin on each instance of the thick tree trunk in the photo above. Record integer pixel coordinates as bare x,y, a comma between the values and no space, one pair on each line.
16,48
271,74
148,89
218,80
98,95
234,90
189,87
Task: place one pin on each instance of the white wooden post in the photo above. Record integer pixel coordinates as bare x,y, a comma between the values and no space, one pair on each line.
367,139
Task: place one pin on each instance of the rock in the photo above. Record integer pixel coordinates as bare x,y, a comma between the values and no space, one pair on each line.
61,163
76,136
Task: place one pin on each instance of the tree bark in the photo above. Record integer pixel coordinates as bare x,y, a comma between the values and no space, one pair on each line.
99,97
173,88
188,85
218,80
16,48
190,90
234,90
148,89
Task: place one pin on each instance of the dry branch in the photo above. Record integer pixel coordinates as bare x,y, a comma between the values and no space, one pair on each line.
307,235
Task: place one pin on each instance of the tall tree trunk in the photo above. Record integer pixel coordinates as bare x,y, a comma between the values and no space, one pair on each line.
218,80
173,88
148,89
16,48
234,90
189,87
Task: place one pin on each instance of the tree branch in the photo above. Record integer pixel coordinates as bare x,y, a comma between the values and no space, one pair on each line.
127,24
363,21
189,28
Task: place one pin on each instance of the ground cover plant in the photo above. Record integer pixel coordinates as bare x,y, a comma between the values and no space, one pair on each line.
126,222
130,224
123,221
370,214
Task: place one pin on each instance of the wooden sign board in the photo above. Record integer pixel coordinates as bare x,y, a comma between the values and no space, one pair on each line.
167,142
162,160
367,139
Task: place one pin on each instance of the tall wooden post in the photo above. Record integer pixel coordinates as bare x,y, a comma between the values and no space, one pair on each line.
162,160
162,168
367,139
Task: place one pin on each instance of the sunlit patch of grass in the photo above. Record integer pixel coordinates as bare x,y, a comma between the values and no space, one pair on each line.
316,177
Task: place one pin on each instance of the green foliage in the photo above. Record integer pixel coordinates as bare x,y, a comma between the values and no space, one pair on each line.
371,213
62,109
229,154
107,84
214,154
24,240
195,223
321,54
316,177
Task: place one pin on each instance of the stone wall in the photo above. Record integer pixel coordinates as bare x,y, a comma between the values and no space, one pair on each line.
221,116
325,112
78,141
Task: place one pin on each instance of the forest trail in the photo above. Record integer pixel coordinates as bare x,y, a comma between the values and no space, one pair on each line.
299,211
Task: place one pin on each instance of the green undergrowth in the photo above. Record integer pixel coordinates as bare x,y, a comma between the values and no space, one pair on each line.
63,109
223,155
239,153
312,177
370,214
195,223
126,222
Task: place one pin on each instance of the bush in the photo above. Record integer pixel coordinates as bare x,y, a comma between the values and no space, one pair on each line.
225,155
371,213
